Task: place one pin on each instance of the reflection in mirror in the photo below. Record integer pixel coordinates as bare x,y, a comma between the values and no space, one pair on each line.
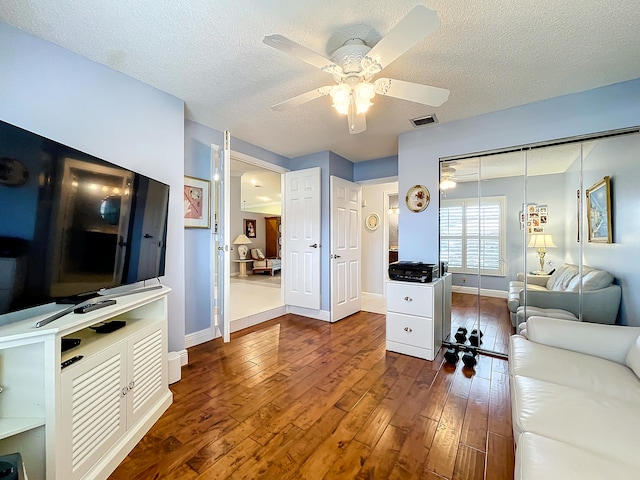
549,212
515,225
458,232
500,246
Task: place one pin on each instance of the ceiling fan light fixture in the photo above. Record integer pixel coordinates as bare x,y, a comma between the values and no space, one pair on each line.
364,92
447,184
341,96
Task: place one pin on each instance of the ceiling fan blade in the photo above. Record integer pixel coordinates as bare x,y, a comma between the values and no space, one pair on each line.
296,50
414,92
357,122
300,99
416,25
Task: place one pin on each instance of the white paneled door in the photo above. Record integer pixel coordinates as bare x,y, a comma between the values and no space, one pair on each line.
302,234
345,248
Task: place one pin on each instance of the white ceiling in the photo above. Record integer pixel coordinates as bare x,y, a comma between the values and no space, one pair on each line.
491,55
260,188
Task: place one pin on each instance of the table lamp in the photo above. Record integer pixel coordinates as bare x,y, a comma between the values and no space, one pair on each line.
541,242
242,241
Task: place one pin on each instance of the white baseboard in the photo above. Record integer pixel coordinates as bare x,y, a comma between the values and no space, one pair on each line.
323,315
184,357
485,292
372,296
196,338
251,320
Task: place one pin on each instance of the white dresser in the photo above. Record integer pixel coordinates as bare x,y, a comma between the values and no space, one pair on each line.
414,318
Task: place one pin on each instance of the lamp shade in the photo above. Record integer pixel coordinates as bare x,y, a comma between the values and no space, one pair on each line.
242,239
541,241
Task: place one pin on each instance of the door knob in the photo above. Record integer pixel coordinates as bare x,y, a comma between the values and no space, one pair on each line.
315,245
146,235
408,329
408,299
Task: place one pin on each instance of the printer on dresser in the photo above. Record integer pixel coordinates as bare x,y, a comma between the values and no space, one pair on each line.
415,309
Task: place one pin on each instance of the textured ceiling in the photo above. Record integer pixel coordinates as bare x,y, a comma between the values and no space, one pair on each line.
491,55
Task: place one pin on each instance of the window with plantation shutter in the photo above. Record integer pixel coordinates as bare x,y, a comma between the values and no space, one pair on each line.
472,235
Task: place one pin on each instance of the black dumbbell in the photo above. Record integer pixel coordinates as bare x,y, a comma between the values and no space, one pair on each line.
451,355
461,335
475,330
469,357
475,339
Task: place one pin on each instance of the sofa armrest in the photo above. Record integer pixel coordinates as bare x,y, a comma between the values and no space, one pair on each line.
568,301
598,306
540,280
611,342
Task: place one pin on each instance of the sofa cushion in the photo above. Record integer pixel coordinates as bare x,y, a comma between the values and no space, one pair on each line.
560,279
542,458
592,279
594,422
633,357
577,370
257,254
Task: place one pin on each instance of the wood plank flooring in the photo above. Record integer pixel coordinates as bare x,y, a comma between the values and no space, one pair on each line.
297,398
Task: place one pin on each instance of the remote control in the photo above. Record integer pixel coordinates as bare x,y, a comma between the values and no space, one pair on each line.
69,343
66,363
94,306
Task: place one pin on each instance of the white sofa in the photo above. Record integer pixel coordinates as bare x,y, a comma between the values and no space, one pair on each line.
561,290
575,399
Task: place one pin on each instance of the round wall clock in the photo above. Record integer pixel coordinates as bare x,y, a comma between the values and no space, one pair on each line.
372,221
418,198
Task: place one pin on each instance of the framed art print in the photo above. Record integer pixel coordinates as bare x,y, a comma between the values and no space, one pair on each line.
599,212
196,202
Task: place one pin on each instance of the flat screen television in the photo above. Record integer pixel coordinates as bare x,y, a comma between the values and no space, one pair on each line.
72,224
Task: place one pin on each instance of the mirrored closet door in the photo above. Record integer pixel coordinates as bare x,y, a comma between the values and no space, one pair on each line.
526,232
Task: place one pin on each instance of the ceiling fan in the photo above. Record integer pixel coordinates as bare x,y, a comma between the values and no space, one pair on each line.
450,176
354,65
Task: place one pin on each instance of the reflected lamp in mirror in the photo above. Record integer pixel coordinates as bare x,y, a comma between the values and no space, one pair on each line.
541,242
242,241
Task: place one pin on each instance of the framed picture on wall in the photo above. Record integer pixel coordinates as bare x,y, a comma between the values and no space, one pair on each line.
250,228
196,203
599,212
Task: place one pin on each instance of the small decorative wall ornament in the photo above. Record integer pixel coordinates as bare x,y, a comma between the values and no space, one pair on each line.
418,198
372,222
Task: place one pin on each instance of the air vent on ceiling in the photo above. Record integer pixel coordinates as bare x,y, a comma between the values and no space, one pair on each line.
422,121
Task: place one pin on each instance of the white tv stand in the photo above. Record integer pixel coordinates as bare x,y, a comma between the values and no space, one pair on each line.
81,421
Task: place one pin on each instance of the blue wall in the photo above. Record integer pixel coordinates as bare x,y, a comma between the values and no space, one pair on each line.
386,168
85,105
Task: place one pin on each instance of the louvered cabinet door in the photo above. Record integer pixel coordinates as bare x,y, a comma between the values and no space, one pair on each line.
93,409
147,376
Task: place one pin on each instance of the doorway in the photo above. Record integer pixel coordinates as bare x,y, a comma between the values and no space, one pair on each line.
255,217
379,241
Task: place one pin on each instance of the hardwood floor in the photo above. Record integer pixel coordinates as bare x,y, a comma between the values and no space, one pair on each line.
297,398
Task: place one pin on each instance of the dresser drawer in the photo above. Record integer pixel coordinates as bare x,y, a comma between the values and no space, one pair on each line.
412,299
411,330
